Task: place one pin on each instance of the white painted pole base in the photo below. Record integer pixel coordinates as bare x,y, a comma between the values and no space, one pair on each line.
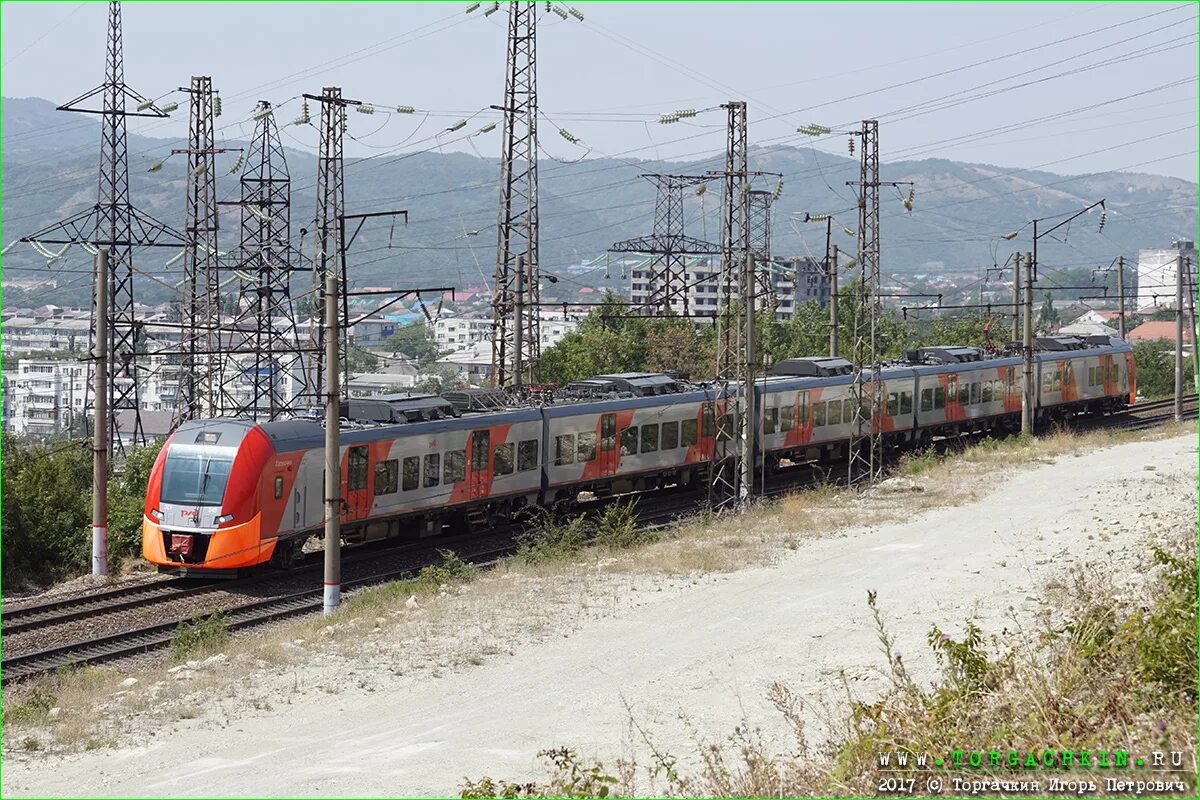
99,549
333,597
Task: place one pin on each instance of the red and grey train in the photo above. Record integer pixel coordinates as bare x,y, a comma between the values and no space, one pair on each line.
230,494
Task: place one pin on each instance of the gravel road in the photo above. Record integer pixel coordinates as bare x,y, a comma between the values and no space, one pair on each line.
681,656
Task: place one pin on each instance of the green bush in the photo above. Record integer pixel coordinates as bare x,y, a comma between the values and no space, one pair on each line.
1155,368
47,508
546,538
202,635
452,570
617,527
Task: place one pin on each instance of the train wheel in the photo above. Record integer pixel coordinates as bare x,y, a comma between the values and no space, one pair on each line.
287,553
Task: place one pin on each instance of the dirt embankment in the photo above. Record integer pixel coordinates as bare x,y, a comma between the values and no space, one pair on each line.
589,656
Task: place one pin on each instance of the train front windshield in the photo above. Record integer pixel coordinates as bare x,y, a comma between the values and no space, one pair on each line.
196,477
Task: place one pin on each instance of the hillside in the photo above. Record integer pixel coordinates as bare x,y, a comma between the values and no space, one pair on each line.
49,163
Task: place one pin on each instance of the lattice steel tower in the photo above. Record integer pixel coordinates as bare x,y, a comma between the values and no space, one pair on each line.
866,451
517,263
114,223
201,339
667,283
737,286
266,378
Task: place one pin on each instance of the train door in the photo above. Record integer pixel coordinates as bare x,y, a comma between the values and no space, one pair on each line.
607,455
480,477
708,429
356,486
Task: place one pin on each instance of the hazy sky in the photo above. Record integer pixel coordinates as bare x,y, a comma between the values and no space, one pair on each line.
605,79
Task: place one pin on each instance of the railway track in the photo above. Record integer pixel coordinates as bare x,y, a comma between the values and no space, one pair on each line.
667,506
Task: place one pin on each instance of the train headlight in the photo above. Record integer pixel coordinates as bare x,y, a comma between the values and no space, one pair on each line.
221,520
158,515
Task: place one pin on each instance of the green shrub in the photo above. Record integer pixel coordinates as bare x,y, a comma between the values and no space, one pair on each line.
618,527
571,778
32,707
546,538
203,634
434,576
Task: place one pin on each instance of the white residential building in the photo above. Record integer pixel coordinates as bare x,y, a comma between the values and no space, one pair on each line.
1156,273
454,333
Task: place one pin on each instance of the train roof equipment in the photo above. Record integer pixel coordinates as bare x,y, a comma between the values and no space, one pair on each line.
812,367
478,399
627,384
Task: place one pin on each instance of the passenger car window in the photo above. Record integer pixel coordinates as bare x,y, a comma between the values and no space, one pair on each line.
819,414
454,467
986,395
587,447
939,397
649,438
707,421
502,460
975,395
803,417
564,449
386,474
412,473
629,441
906,404
433,469
687,432
893,404
927,399
770,420
725,428
527,455
788,420
670,435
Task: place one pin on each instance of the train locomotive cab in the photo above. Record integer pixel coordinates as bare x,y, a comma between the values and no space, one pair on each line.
202,509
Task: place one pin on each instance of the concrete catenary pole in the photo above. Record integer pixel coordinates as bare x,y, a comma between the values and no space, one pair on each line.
750,421
1121,295
333,461
1016,299
1027,396
101,426
1190,288
833,302
1179,338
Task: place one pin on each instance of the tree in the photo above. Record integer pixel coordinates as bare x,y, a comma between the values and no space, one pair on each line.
127,501
414,340
359,360
1155,368
1048,315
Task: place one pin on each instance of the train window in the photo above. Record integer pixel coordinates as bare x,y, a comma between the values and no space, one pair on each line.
386,475
527,455
608,432
964,394
564,449
649,438
789,419
629,441
802,418
502,460
1058,380
819,414
687,433
939,397
927,399
893,404
454,466
906,404
356,474
998,391
985,396
670,435
833,412
587,447
278,486
975,395
725,428
1091,376
412,473
848,410
707,420
770,421
433,469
